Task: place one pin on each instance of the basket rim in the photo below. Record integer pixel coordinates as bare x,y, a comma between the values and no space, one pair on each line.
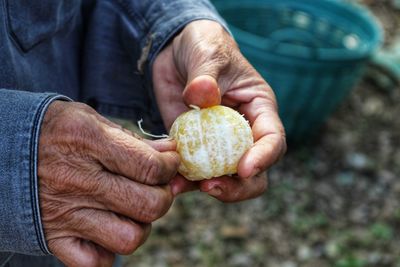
326,54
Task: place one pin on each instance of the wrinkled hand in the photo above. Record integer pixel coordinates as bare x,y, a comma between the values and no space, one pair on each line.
188,71
99,186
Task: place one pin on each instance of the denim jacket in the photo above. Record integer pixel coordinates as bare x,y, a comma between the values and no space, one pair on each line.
95,51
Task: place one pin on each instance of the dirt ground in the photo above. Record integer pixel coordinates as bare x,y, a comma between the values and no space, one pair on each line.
333,203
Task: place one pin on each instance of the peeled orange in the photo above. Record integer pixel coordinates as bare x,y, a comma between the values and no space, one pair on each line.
210,141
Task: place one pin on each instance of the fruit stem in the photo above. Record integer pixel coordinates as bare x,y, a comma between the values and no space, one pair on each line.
194,107
149,134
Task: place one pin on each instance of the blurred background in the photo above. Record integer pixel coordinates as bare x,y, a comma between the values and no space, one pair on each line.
334,200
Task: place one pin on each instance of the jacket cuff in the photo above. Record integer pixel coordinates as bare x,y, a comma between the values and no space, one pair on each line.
21,229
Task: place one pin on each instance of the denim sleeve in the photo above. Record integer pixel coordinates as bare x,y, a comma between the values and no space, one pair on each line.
21,114
160,20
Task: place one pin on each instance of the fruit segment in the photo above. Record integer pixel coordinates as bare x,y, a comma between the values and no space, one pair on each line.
211,141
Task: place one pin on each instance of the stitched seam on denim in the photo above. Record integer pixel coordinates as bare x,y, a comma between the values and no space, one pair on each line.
33,169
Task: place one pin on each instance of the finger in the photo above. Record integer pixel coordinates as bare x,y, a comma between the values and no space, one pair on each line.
125,155
202,92
180,185
140,202
81,253
269,135
258,104
233,189
112,232
264,153
162,145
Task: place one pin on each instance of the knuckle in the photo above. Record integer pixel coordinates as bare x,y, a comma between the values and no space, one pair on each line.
165,202
158,205
130,239
90,261
87,258
151,170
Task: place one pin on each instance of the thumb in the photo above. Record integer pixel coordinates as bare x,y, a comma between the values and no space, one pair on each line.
203,92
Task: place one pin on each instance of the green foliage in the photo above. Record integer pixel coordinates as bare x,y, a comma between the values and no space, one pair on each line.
307,223
396,215
350,261
382,231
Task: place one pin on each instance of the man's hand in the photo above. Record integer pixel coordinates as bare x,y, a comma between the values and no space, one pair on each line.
188,71
99,186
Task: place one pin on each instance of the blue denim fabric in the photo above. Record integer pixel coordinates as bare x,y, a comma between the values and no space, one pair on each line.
95,51
20,221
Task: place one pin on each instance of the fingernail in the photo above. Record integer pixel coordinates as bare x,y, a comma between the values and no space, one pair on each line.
215,191
254,173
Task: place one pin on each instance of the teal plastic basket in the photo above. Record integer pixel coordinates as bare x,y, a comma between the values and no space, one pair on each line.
311,52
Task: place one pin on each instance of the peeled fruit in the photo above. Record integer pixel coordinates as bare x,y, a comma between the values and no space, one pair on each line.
210,141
